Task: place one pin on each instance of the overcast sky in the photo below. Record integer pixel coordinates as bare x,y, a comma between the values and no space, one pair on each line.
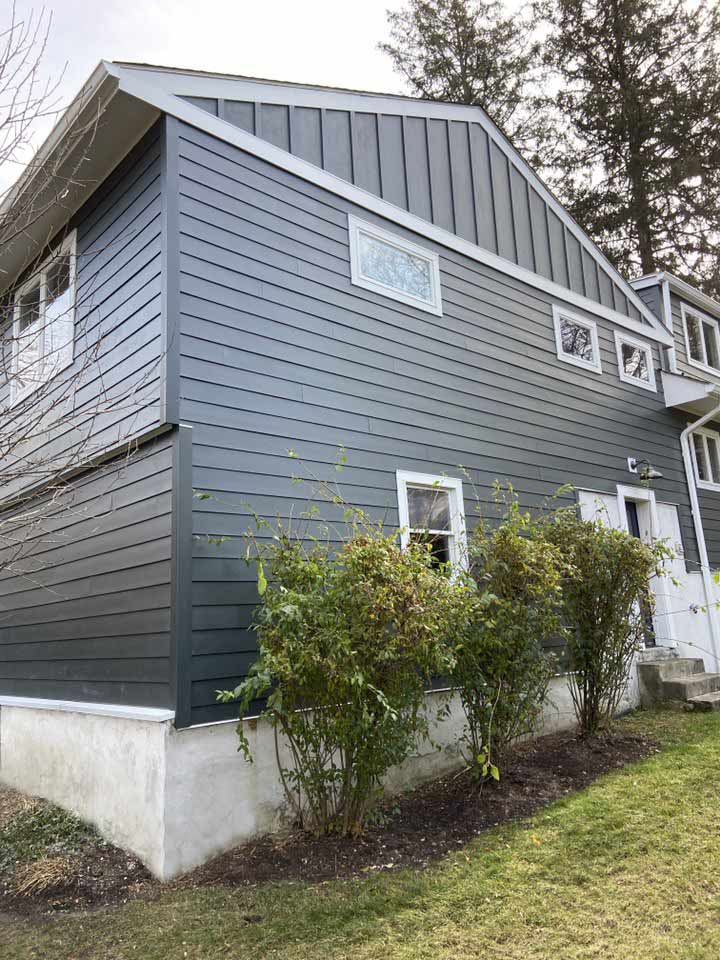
331,42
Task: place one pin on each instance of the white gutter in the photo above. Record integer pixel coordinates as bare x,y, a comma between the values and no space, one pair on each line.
708,585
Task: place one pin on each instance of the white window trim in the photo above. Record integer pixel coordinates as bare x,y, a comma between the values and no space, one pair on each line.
620,339
705,433
67,248
704,318
453,486
558,314
357,226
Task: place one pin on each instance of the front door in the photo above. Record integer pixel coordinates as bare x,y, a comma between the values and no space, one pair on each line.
633,521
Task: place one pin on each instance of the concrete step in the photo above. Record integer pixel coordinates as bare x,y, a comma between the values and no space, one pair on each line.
706,701
693,685
654,673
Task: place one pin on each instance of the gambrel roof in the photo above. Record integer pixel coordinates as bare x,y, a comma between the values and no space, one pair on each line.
444,170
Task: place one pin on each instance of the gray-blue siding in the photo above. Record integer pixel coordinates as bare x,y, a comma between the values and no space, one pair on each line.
455,174
279,350
86,615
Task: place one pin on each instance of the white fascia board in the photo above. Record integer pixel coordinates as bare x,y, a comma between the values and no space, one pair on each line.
681,287
149,714
195,117
182,84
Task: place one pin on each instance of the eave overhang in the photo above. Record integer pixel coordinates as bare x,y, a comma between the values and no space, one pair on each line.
97,130
696,397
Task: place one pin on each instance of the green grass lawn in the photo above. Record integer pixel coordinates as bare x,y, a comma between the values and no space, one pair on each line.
626,869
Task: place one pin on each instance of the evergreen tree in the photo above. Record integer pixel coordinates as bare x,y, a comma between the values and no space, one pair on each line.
639,160
470,51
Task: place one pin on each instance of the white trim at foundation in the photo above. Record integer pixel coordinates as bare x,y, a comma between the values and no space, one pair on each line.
151,714
129,83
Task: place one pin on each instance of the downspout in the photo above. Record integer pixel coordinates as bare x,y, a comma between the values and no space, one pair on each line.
697,523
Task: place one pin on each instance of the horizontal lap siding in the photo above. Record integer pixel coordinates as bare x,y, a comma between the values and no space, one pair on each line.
118,356
280,351
85,609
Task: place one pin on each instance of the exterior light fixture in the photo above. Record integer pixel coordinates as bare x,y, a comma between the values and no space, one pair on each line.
643,468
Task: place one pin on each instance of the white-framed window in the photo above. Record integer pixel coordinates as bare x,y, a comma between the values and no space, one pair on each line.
702,339
395,267
432,510
576,340
706,456
43,329
635,361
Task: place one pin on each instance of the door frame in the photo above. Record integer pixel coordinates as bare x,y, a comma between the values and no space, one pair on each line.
665,633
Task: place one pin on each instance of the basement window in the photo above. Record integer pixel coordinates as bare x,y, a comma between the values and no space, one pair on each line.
576,340
432,511
635,361
706,455
702,341
394,267
43,330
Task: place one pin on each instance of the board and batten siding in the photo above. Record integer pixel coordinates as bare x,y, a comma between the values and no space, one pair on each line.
458,175
117,366
280,351
85,607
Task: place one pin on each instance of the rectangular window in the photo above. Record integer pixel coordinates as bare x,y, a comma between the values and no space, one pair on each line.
432,511
635,361
702,339
394,267
706,454
44,323
577,340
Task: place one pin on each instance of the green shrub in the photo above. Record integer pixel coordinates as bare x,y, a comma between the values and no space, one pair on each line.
349,640
41,828
606,599
501,669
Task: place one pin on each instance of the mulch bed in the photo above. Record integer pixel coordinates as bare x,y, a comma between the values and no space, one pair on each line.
433,820
416,829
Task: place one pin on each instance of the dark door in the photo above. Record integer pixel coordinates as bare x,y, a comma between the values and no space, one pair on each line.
645,605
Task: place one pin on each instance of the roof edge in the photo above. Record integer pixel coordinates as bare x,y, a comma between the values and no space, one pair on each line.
681,287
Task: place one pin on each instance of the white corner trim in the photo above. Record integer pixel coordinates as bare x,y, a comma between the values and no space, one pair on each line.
559,313
620,339
224,131
151,714
356,227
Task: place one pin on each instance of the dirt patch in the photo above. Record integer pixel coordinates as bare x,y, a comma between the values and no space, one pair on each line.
50,861
424,825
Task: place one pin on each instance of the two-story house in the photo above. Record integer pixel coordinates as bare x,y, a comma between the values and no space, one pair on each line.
249,267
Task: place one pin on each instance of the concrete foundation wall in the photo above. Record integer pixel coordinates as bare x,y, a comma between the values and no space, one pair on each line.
177,797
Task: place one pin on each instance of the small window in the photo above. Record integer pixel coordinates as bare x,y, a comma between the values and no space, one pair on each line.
706,454
577,340
635,361
702,340
431,511
394,267
44,323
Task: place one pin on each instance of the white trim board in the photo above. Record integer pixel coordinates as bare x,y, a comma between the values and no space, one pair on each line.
678,286
151,714
224,131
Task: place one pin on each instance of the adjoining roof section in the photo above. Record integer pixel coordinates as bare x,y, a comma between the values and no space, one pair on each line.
447,164
680,287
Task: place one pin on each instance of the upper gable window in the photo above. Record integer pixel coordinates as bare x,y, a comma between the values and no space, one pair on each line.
701,339
394,267
577,340
44,323
635,362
